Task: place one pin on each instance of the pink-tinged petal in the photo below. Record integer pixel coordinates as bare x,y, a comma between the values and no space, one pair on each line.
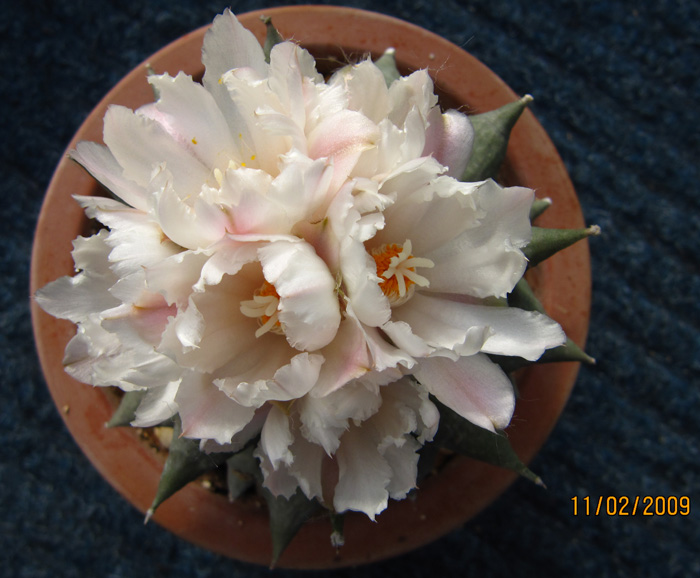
288,64
403,461
474,387
206,412
342,138
212,332
359,271
325,419
486,260
346,358
86,293
157,405
406,411
281,126
136,240
366,89
276,438
195,120
260,145
414,128
175,276
308,308
146,323
101,164
91,254
438,329
384,354
364,474
191,224
301,188
290,382
466,328
90,355
279,481
240,439
307,466
411,184
228,259
98,357
140,144
449,138
413,92
404,338
250,210
228,45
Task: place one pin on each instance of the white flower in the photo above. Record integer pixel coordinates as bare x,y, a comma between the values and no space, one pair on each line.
285,252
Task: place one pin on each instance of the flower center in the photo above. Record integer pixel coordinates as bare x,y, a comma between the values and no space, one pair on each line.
263,307
397,267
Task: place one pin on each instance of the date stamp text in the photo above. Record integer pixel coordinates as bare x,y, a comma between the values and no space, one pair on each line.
631,506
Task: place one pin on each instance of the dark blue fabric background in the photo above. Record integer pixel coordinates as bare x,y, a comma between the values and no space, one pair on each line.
616,86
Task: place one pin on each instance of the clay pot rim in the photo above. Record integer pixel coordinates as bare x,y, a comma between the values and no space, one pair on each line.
240,530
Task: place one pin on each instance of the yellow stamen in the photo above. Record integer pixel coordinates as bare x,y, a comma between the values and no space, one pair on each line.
397,267
264,307
194,140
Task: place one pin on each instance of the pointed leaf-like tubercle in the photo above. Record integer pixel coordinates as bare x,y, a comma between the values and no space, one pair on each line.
184,464
523,297
126,412
387,64
547,242
242,472
463,437
337,530
539,206
272,37
491,134
287,516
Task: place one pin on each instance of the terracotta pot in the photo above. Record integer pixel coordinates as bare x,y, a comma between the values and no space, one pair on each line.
464,487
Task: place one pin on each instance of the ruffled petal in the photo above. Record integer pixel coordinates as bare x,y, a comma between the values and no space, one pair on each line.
342,138
364,474
413,92
467,328
276,438
99,161
86,293
157,405
290,382
474,387
308,307
346,358
366,89
206,412
486,260
449,138
368,302
140,144
190,222
228,45
325,419
194,120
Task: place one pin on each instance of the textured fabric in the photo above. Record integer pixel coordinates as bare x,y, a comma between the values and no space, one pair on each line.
616,87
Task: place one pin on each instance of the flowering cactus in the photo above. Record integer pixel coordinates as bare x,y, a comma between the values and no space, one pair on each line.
305,275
